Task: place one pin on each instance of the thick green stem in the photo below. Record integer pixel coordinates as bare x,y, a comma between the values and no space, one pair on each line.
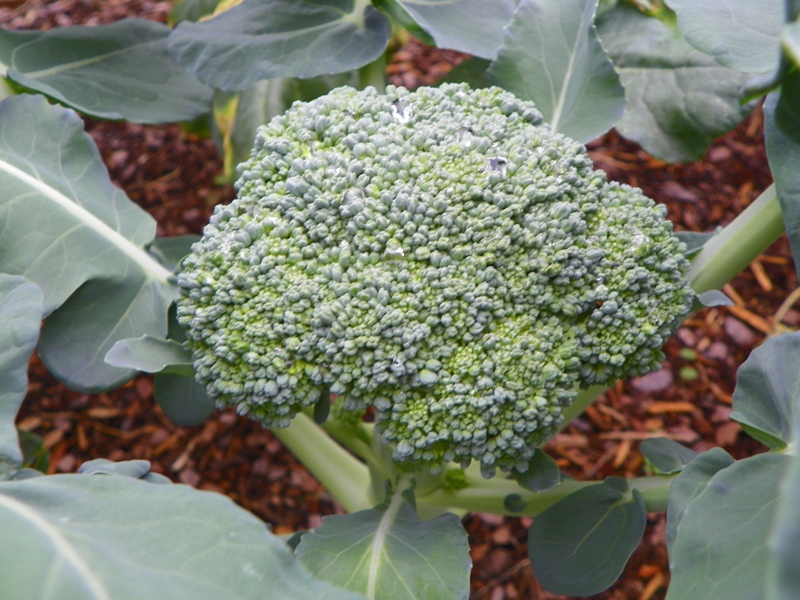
584,399
730,251
345,477
355,438
374,74
491,495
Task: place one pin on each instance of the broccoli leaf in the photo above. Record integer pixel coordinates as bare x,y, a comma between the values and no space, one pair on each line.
790,40
767,384
109,536
67,228
116,71
580,544
707,558
183,400
781,117
20,317
138,469
390,553
35,456
263,39
784,541
542,474
171,250
191,10
694,240
679,99
396,10
692,481
666,455
151,355
552,56
472,26
473,71
739,34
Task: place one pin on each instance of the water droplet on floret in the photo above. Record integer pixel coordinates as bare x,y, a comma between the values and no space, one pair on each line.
498,164
640,242
402,111
465,136
394,250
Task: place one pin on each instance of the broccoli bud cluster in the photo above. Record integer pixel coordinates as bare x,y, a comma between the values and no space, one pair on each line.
441,256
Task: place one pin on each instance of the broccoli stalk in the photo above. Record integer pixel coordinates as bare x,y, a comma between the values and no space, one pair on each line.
356,487
738,244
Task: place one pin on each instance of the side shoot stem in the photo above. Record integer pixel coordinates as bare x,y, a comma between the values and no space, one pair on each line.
345,477
490,495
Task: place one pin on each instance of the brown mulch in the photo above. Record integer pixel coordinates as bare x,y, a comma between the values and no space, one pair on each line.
172,175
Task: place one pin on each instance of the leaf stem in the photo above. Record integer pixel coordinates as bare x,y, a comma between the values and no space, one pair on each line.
345,477
490,496
730,251
584,399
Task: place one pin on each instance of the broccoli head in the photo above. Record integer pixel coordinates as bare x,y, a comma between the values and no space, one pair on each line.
439,255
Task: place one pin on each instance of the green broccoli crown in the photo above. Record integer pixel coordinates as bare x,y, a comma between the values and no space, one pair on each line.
439,255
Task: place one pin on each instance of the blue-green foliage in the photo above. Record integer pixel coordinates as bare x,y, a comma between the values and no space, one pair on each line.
439,255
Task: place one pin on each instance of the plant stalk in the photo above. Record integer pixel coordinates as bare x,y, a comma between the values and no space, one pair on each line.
344,476
374,74
490,497
730,251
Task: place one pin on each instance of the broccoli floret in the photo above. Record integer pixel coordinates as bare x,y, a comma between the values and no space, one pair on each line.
440,255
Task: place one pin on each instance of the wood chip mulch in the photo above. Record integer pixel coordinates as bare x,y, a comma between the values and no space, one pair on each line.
172,174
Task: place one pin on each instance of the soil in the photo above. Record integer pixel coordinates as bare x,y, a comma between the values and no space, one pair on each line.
171,174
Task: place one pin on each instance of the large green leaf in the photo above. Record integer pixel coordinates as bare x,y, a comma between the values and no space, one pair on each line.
472,26
116,71
20,317
191,10
783,575
679,99
768,383
720,548
790,39
263,39
740,34
689,484
781,116
67,228
580,544
552,56
88,537
390,554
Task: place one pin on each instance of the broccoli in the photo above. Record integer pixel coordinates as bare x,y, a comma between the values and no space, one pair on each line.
440,256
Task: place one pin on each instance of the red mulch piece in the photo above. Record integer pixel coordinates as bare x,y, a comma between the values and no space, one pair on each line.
171,174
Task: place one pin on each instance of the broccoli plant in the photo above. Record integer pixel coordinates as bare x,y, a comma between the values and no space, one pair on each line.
413,289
